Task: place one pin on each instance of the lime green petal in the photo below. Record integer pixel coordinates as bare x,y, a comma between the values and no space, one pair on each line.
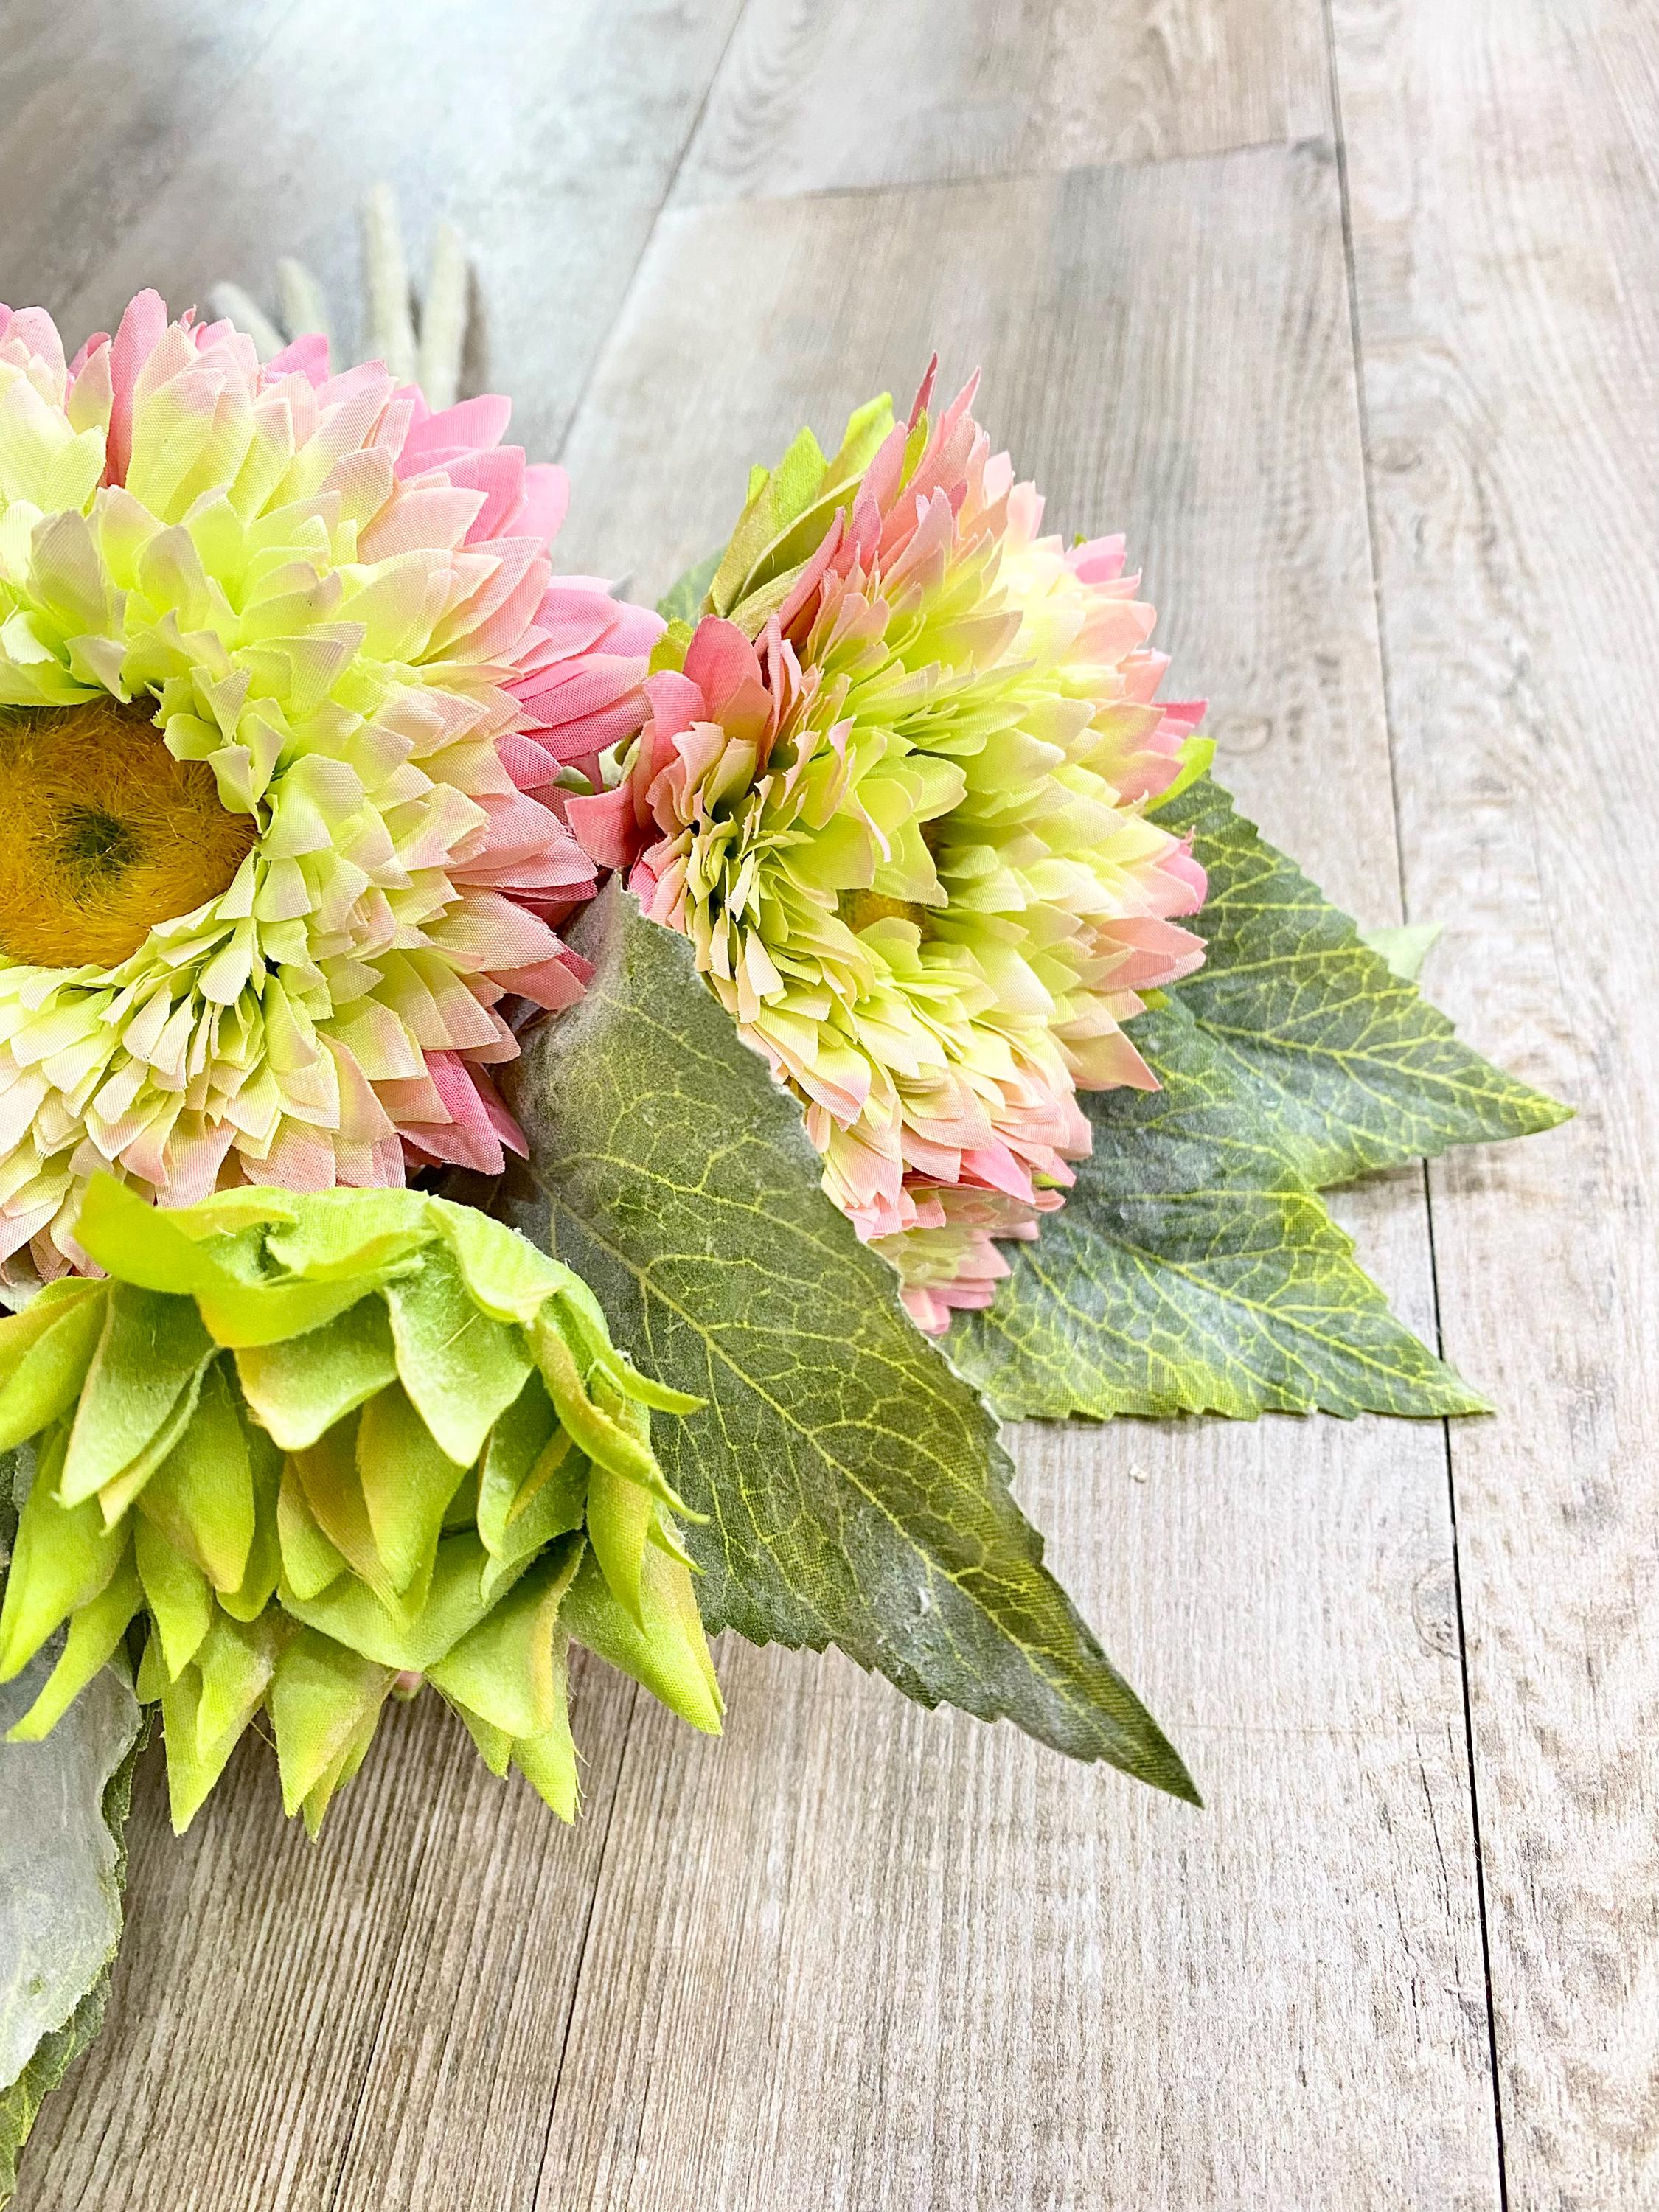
44,1352
503,1669
335,1236
334,1492
204,1711
94,1632
299,1387
357,1751
619,1517
495,1745
117,1496
264,1558
310,1563
151,1348
179,1595
669,1655
151,1247
350,1612
606,1441
320,1697
64,1556
507,1275
407,1482
201,1496
548,1762
459,1365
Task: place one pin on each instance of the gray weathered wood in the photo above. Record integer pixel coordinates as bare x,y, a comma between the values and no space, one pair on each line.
1505,205
820,94
549,135
860,1955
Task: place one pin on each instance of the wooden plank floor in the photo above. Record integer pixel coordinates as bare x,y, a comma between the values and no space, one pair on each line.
1348,310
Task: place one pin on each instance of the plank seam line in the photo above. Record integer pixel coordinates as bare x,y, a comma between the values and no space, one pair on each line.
1363,416
601,352
900,187
582,1949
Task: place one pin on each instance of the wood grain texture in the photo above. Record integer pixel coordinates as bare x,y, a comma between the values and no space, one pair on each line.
902,1960
816,95
549,134
1505,203
433,1935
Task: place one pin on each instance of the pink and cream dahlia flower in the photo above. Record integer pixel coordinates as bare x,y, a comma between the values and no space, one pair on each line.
894,789
286,683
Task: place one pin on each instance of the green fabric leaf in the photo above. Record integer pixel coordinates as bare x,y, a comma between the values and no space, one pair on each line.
63,1865
1192,1270
855,1488
1344,1060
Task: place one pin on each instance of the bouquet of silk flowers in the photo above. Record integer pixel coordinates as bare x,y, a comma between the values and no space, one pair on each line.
527,1120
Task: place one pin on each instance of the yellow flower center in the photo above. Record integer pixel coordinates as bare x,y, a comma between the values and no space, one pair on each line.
103,834
857,910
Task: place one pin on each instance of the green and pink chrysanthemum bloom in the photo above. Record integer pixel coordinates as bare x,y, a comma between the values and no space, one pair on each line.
893,789
286,685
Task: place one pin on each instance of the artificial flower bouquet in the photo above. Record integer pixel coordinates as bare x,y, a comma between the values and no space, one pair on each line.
526,1121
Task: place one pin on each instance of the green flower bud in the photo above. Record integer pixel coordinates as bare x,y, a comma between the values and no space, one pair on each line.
324,1450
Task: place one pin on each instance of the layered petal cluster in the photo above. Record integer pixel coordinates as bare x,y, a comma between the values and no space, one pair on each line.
286,685
326,1450
894,786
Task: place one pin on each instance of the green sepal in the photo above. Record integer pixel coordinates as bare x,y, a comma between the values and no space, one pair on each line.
298,1389
665,1650
407,1482
152,1349
321,1696
179,1595
502,1670
63,1558
548,1763
95,1630
201,1496
44,1352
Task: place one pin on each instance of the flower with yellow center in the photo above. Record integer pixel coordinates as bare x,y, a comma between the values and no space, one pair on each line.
286,687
